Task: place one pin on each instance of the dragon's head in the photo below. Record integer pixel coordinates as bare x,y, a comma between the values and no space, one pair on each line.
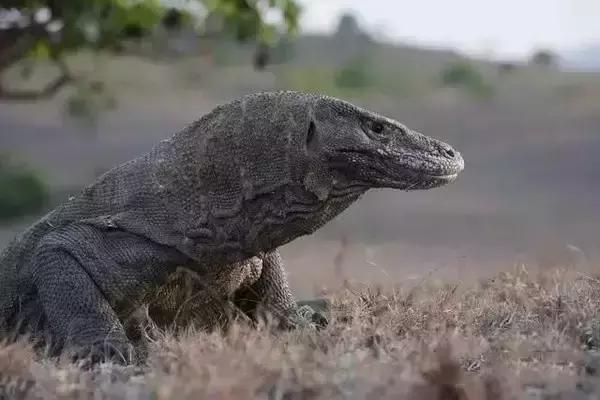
373,151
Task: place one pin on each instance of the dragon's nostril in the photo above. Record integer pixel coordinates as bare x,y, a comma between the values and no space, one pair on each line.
449,153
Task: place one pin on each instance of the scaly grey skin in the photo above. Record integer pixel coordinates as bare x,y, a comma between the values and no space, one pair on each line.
248,177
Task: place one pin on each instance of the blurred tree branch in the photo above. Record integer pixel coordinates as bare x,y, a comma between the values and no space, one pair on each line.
50,30
47,91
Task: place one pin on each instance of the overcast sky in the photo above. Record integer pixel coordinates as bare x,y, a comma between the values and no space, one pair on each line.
496,28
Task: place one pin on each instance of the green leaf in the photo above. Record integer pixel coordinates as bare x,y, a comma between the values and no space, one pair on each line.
41,51
268,34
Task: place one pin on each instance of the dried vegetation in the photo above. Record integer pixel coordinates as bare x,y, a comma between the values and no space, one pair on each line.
516,336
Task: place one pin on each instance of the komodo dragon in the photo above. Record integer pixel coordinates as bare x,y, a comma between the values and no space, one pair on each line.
219,196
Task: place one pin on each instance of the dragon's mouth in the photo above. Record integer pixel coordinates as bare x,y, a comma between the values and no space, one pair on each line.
448,178
414,179
399,171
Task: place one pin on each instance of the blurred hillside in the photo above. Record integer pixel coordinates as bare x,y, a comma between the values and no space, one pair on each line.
586,58
530,136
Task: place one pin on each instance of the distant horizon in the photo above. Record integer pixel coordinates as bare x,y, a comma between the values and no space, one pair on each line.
569,58
467,27
497,31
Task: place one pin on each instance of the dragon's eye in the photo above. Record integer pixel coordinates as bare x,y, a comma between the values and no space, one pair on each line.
377,127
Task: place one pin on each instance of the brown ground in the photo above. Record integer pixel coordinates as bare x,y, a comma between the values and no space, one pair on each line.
517,336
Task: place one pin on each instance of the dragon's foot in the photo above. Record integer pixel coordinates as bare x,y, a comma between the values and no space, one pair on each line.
590,335
311,314
101,352
306,316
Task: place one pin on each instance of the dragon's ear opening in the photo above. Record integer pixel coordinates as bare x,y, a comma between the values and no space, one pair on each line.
311,137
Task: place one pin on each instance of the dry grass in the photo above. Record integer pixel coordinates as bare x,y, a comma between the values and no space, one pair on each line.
515,336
